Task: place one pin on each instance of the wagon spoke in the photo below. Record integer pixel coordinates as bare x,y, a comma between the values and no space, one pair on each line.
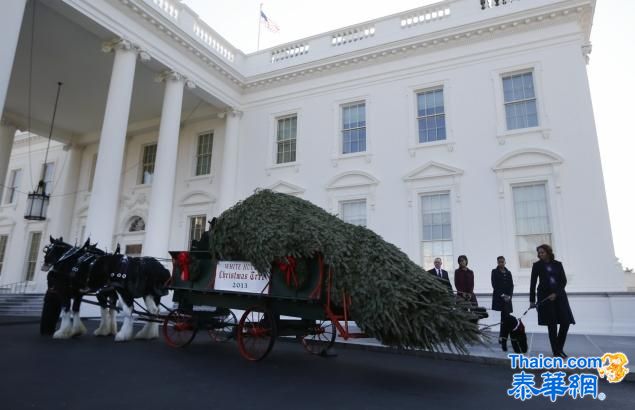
224,329
179,329
320,337
256,333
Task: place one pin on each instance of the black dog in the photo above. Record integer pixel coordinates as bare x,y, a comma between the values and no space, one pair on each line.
515,329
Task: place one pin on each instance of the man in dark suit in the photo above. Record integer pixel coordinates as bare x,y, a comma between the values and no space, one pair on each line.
440,273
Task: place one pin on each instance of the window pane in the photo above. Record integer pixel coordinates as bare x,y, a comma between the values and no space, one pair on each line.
49,172
197,227
437,228
431,116
147,169
14,186
354,212
533,226
204,154
353,128
91,177
287,129
3,248
34,246
520,101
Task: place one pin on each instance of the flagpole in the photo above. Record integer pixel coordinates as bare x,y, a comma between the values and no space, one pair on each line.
259,24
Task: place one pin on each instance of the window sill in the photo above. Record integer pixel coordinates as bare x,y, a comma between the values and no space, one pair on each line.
365,155
449,145
206,177
4,207
287,165
545,133
141,187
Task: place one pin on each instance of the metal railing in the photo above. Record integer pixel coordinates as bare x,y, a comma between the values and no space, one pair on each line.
14,288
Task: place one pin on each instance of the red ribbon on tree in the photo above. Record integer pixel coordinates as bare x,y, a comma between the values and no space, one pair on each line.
288,269
183,261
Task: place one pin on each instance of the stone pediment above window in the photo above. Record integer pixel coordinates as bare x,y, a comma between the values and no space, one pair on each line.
528,164
352,179
196,198
528,158
432,170
286,188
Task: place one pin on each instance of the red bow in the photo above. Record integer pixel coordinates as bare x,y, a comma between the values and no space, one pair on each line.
289,270
183,261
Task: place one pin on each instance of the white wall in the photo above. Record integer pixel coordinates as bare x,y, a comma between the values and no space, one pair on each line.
483,224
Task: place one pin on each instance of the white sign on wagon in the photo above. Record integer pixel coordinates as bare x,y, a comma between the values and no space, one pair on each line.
239,277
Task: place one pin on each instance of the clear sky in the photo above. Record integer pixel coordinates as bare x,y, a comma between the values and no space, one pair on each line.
610,72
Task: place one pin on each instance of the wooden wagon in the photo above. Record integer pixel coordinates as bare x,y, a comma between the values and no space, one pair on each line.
295,299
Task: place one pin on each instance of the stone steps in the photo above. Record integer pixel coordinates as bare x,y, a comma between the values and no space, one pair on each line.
27,304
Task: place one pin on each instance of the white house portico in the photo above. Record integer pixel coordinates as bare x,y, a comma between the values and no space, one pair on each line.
460,127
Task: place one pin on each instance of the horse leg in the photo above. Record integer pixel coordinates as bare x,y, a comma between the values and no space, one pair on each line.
78,327
112,313
104,324
65,330
125,334
151,328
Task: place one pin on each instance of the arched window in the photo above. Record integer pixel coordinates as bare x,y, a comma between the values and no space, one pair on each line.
137,224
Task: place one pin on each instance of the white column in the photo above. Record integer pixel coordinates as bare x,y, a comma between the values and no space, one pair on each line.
7,134
104,199
229,169
161,197
10,24
63,203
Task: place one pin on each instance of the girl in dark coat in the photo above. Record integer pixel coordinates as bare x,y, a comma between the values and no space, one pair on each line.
503,285
555,309
464,281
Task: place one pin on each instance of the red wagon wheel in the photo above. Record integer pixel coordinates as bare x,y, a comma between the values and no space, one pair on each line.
256,333
225,329
320,338
179,329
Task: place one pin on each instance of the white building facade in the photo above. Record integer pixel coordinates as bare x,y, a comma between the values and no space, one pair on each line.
457,128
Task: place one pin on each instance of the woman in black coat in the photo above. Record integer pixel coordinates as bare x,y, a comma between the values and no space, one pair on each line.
553,307
503,285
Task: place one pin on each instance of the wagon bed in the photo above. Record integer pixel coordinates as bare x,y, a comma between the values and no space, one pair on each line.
298,289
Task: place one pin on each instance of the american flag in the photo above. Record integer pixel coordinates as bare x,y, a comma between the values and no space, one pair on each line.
271,26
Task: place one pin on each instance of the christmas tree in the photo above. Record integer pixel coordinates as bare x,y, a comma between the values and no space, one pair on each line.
393,299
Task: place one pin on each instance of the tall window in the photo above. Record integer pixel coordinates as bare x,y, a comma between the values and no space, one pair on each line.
147,164
14,185
3,248
533,227
354,128
204,154
431,115
49,173
34,247
437,230
93,167
520,101
197,227
286,139
354,212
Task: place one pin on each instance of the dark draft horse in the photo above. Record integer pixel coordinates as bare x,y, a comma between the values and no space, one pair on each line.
130,278
63,261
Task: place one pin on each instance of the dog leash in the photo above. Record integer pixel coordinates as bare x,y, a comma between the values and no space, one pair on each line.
519,317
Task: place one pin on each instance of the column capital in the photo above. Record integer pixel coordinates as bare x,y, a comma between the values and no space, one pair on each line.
233,113
127,45
171,75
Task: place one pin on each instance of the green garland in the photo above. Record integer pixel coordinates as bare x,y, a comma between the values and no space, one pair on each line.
394,299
